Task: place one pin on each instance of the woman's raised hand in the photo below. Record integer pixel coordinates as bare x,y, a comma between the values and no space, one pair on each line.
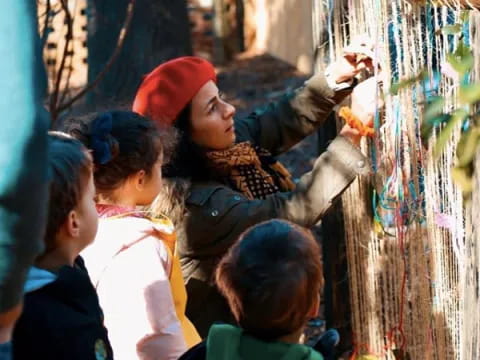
356,57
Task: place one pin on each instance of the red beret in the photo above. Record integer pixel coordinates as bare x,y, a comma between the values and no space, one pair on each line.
170,87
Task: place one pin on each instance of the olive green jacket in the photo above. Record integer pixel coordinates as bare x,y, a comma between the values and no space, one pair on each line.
217,214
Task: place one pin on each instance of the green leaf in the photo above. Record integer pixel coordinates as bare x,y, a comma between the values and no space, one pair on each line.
469,94
458,116
440,119
464,16
426,129
463,178
461,63
467,146
434,107
451,29
461,59
476,119
463,50
395,88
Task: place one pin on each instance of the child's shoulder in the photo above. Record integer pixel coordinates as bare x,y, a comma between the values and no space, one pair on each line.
138,217
61,316
133,227
137,224
67,285
62,303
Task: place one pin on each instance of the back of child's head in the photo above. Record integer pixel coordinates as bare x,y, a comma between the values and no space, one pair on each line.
70,167
122,143
271,279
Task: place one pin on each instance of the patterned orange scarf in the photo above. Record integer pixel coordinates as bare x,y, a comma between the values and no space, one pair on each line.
253,172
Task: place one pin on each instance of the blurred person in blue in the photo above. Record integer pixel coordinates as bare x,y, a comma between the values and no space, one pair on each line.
23,155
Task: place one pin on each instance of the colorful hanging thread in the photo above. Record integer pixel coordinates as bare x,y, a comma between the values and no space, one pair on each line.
406,272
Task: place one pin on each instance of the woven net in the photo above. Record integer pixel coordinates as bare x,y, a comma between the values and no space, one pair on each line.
413,266
457,4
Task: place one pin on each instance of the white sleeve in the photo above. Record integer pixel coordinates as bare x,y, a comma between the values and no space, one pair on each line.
138,304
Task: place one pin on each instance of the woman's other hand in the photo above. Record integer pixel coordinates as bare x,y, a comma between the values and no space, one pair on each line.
366,100
357,57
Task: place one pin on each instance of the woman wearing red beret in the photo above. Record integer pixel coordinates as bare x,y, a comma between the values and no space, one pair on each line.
233,180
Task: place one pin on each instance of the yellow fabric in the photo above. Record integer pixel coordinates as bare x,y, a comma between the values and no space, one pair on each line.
179,293
177,283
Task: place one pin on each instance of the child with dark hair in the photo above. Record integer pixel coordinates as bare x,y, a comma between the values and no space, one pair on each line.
62,318
132,263
271,279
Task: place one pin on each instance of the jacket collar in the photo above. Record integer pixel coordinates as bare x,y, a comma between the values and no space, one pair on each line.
230,342
38,278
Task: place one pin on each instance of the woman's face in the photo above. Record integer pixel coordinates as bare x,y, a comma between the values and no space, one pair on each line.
211,119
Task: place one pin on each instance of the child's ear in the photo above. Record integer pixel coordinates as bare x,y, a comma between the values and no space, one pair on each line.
140,179
72,225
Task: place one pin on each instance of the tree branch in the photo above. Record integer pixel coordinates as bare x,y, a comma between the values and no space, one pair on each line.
54,97
69,68
113,57
45,32
67,84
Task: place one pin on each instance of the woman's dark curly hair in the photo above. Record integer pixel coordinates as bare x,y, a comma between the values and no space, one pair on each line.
187,160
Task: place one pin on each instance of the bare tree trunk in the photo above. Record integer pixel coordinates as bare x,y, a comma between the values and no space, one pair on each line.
228,29
220,31
159,31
